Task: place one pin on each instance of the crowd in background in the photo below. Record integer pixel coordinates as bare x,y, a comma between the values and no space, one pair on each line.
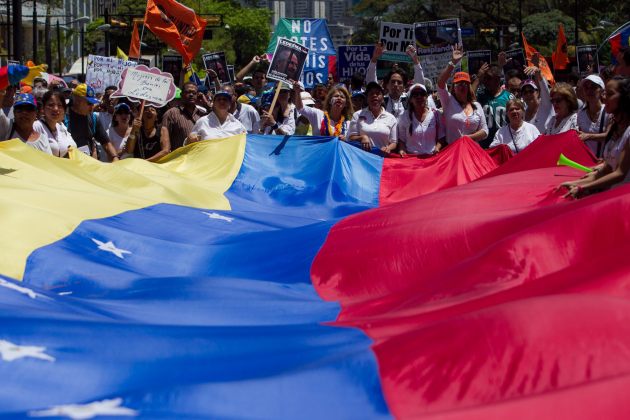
397,115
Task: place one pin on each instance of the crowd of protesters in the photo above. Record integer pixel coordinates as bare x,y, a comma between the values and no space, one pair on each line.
397,115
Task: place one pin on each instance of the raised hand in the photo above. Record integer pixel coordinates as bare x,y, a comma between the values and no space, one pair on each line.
458,53
379,50
412,53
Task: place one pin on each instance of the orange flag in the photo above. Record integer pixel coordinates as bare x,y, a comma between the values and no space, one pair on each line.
134,48
560,57
544,67
177,25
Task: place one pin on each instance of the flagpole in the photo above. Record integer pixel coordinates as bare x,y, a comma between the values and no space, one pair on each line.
613,33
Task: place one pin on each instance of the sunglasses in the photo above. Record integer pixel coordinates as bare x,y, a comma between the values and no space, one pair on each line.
460,84
418,94
24,109
527,91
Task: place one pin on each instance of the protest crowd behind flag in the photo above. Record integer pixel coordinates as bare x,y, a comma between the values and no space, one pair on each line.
288,241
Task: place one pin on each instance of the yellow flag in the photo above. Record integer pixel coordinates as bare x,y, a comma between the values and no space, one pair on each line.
121,54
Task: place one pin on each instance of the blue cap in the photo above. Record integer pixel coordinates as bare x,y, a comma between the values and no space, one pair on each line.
223,93
356,93
25,99
122,106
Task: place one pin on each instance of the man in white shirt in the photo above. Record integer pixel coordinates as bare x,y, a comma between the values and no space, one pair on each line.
245,113
219,123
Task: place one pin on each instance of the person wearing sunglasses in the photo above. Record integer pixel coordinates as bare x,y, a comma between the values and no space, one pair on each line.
463,115
565,105
420,129
517,134
24,116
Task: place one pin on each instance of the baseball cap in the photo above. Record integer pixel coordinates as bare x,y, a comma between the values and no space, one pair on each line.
245,98
25,99
86,92
530,83
596,79
223,93
417,86
122,107
461,76
307,99
356,93
373,85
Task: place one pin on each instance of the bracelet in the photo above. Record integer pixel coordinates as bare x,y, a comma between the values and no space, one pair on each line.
450,63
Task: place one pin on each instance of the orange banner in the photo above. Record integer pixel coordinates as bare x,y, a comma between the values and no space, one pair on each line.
544,67
134,47
560,57
177,25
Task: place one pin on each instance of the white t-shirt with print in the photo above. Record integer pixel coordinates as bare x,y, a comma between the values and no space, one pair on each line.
382,130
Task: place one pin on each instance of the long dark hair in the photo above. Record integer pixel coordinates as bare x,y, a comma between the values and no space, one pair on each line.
623,84
52,94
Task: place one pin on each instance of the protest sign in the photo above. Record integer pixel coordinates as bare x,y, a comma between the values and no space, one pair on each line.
311,33
216,61
315,70
105,71
231,72
434,42
475,59
587,59
146,84
353,59
396,37
516,60
288,61
173,64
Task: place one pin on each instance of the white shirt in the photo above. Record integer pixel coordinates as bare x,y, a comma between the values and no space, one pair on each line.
518,139
41,143
249,117
316,117
545,109
60,141
424,135
568,123
613,149
119,142
105,118
381,130
209,127
457,123
586,125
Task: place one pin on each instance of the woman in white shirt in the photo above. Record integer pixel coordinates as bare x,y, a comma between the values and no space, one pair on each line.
25,115
218,124
535,94
565,105
51,124
334,118
282,120
420,130
593,121
374,127
517,134
463,116
616,167
118,132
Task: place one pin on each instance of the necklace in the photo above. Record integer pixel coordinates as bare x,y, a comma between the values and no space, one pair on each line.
335,131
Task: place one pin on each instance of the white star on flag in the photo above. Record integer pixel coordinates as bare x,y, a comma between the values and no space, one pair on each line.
110,247
218,216
19,289
10,352
87,411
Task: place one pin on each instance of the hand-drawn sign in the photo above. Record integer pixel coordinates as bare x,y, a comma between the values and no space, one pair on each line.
146,84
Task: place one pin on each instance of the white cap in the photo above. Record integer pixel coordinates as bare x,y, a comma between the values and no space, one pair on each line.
416,86
307,99
596,79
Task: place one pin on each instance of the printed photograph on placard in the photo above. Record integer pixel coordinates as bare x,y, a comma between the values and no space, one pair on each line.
216,62
437,35
515,60
476,60
587,59
287,62
173,64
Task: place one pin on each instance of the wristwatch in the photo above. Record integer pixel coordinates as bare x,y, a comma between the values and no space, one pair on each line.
275,126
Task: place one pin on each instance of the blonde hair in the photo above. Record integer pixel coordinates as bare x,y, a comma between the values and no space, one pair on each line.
348,110
566,91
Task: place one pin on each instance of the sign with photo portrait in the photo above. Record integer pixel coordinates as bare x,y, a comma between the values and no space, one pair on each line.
287,62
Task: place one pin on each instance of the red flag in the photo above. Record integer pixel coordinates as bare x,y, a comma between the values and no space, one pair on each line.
560,57
134,47
544,67
177,25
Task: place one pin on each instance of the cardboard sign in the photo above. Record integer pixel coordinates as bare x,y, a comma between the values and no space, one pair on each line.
146,84
396,37
587,59
105,71
353,59
475,60
216,61
434,42
288,61
174,65
516,60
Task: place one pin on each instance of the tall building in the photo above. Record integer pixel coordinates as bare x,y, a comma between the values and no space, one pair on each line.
338,13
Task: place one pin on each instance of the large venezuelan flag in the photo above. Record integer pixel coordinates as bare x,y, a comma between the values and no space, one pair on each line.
299,277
